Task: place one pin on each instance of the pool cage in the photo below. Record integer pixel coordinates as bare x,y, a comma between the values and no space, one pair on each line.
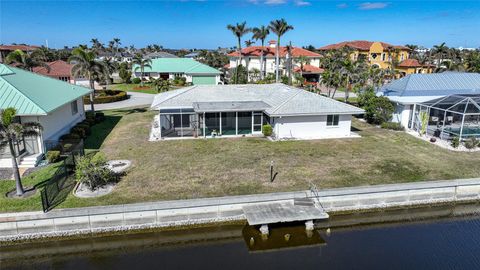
449,117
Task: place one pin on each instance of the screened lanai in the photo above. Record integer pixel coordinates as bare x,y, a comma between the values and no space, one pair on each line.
449,117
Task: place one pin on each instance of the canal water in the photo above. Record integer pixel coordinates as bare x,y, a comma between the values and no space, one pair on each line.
422,238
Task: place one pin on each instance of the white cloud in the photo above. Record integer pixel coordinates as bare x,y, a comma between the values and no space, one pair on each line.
275,2
302,3
342,5
371,5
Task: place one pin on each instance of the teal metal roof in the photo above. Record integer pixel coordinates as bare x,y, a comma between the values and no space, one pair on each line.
33,94
178,65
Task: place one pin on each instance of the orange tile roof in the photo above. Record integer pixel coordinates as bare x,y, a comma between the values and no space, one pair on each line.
309,69
256,51
412,63
24,48
58,68
362,45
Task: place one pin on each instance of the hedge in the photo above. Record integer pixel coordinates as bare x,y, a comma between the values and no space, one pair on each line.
108,97
392,126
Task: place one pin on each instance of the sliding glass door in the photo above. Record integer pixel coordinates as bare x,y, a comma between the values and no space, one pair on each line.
244,123
212,123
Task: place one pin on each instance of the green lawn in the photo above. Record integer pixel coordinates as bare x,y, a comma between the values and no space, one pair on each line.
182,169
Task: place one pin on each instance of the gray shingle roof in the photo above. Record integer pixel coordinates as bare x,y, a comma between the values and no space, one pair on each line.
282,100
154,55
437,84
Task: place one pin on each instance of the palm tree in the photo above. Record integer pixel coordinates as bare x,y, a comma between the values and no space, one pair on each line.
117,43
249,43
302,60
279,27
12,131
261,33
239,30
96,45
141,64
413,50
85,65
24,60
440,51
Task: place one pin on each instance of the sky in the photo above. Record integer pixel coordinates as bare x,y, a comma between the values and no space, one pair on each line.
202,23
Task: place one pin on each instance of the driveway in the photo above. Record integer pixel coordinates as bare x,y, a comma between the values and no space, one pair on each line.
135,100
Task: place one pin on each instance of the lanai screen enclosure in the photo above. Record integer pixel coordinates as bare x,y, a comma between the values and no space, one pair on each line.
449,117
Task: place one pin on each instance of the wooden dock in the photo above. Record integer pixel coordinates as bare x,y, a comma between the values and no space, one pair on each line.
264,214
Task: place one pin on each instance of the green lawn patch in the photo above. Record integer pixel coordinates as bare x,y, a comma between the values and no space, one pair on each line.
183,169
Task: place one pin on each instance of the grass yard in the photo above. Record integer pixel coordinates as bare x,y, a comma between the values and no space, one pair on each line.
182,169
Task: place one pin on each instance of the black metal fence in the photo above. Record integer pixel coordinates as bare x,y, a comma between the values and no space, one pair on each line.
57,188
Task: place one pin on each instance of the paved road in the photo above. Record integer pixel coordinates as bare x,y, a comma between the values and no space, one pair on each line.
135,100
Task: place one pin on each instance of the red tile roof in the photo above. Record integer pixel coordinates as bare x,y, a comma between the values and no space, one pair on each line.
412,63
309,69
58,68
24,48
256,51
362,45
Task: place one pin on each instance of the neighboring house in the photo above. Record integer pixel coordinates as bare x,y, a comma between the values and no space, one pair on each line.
240,110
119,57
155,55
192,55
62,70
251,58
410,91
169,68
55,104
6,49
382,55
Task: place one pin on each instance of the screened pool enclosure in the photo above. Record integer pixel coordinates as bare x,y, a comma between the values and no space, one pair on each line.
211,119
449,117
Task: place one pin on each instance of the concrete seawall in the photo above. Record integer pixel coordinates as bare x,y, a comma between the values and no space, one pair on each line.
91,220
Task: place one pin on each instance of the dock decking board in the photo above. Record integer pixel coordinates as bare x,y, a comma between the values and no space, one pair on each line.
260,214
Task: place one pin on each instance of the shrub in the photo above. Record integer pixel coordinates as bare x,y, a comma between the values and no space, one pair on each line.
136,80
125,74
455,143
471,143
392,126
107,96
377,109
267,130
67,147
79,131
85,127
89,115
53,156
99,117
70,136
93,172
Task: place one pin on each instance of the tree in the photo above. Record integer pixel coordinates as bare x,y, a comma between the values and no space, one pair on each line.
377,109
124,73
261,33
472,61
249,43
161,85
279,27
24,60
96,45
141,65
413,50
10,132
85,65
440,52
302,60
239,30
116,42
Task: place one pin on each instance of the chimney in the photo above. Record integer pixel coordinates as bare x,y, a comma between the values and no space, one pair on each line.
272,44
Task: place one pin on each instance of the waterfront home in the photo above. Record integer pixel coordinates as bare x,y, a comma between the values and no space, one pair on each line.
251,58
449,99
243,110
53,103
381,55
168,68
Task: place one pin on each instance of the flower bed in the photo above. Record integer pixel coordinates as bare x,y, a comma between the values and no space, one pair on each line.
106,96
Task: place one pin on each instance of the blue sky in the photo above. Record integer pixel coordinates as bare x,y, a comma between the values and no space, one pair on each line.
202,24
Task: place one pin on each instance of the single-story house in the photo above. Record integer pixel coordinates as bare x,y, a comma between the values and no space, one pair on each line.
169,68
240,110
53,103
410,91
62,70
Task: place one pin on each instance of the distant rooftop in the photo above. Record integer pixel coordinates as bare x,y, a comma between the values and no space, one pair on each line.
179,65
274,99
154,55
362,45
58,68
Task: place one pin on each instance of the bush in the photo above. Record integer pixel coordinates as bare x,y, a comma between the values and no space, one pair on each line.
392,126
53,156
93,172
70,136
79,131
90,115
99,117
136,80
107,96
471,143
377,109
85,127
267,130
455,143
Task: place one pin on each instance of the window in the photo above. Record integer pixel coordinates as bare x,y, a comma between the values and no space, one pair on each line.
332,120
74,107
383,56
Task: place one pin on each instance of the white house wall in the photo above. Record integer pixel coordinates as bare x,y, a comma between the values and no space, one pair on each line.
402,114
254,63
311,127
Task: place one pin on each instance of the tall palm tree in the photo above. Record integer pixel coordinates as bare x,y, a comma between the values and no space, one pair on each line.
440,51
96,45
279,27
413,50
141,64
261,33
85,65
25,61
12,131
239,30
117,43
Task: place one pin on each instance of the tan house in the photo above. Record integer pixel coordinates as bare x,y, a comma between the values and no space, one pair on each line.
382,55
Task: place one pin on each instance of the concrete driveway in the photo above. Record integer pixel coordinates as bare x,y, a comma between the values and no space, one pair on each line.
135,100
